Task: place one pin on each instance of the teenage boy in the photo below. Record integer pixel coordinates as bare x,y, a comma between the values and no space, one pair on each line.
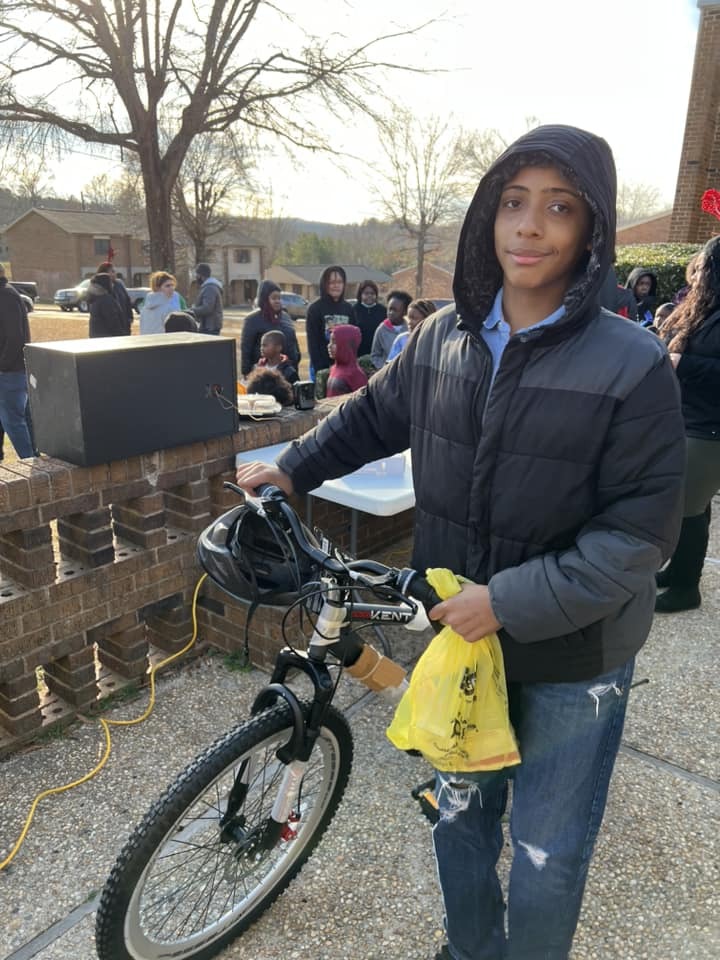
548,456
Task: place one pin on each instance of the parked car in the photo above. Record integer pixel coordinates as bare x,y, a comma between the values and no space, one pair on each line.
27,288
73,297
294,304
76,297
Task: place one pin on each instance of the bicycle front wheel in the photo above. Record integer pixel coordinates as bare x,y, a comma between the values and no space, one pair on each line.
183,886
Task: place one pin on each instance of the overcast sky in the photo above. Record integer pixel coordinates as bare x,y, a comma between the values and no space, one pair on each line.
621,68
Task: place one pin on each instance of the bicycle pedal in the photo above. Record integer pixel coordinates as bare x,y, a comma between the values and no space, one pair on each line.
425,796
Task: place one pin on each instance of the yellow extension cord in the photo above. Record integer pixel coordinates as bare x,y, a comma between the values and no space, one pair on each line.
106,724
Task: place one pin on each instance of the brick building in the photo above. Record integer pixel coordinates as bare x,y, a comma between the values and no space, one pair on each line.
59,248
437,281
700,158
651,230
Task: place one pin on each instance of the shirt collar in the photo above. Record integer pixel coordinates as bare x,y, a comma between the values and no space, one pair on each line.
496,315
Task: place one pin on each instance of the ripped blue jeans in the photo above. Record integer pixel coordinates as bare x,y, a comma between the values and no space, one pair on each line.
569,735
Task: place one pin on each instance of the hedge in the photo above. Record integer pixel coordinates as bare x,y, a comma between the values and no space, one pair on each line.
666,260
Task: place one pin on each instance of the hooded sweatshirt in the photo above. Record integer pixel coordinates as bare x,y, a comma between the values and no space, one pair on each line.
383,340
260,322
208,306
556,479
155,309
346,375
368,319
646,304
14,329
322,315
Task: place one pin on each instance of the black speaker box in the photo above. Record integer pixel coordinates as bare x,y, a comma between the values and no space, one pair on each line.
110,398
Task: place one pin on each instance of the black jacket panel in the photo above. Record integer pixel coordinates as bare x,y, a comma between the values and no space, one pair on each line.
699,375
14,329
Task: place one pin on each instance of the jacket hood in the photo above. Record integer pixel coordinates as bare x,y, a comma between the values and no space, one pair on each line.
266,288
100,284
586,161
347,340
635,275
211,281
325,275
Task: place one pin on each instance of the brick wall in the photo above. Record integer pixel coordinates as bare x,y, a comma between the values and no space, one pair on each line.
40,251
436,281
700,158
98,568
653,230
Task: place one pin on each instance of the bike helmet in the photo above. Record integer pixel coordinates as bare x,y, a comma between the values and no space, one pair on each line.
254,559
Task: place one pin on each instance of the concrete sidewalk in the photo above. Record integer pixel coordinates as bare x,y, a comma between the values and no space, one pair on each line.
370,892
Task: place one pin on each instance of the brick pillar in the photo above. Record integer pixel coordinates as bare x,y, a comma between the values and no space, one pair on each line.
26,556
141,521
87,537
73,678
700,158
123,646
188,506
20,705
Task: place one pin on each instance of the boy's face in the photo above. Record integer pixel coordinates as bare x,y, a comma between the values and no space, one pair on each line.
270,348
335,286
332,346
395,311
542,228
643,286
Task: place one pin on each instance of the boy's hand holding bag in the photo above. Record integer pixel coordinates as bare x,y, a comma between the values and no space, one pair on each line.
455,711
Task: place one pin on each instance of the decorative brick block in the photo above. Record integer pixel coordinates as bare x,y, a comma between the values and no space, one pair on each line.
87,537
73,678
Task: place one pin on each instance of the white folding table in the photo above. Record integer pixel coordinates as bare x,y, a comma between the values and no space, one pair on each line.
383,487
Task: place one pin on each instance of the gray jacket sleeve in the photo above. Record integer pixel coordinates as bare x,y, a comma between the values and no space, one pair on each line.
616,554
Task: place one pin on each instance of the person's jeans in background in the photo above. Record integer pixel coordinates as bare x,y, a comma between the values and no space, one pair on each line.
569,735
13,401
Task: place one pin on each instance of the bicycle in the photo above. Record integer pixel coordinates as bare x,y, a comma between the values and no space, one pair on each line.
238,824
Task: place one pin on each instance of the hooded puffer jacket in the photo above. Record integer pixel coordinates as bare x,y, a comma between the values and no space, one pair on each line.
558,483
346,374
106,316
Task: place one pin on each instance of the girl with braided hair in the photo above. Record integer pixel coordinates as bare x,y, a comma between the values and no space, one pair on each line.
692,335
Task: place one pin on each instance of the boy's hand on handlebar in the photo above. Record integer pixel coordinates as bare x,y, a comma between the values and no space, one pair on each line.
469,613
252,475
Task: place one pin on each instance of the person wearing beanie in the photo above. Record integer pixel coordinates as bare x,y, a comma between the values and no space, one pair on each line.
269,315
119,292
208,306
106,316
323,314
346,374
14,334
548,458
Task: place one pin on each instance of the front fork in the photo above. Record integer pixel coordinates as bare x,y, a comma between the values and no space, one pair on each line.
295,754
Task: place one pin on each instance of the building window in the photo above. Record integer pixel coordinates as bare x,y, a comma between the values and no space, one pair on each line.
101,246
241,255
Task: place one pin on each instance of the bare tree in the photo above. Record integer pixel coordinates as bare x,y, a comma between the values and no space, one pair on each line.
213,175
425,182
637,201
117,73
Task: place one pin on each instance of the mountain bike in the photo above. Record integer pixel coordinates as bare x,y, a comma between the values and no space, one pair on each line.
237,825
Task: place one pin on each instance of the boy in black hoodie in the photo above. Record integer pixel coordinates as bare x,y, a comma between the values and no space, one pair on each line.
323,314
643,285
548,459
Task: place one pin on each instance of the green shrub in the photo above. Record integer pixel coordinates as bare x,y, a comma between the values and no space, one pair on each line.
666,260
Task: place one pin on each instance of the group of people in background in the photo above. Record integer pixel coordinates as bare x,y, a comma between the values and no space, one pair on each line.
164,309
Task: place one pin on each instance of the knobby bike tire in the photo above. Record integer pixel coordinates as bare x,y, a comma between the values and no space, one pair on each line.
176,890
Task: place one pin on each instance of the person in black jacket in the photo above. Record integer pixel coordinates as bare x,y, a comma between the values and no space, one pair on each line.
642,283
548,455
119,292
106,316
323,314
14,334
692,334
268,316
368,314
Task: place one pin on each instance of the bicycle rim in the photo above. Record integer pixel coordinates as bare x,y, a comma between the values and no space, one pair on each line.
178,890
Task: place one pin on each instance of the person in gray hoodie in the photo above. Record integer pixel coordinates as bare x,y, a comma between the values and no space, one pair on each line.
391,327
548,457
208,306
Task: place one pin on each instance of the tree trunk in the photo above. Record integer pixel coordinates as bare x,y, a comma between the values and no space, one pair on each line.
420,264
158,205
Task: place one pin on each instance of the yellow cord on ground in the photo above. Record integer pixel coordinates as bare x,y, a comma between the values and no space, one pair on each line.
106,724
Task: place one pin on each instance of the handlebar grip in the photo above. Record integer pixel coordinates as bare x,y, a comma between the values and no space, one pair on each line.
420,589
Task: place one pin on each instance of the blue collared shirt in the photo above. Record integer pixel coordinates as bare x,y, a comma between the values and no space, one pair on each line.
495,331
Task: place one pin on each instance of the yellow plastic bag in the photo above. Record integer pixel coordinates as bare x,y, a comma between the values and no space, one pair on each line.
455,711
